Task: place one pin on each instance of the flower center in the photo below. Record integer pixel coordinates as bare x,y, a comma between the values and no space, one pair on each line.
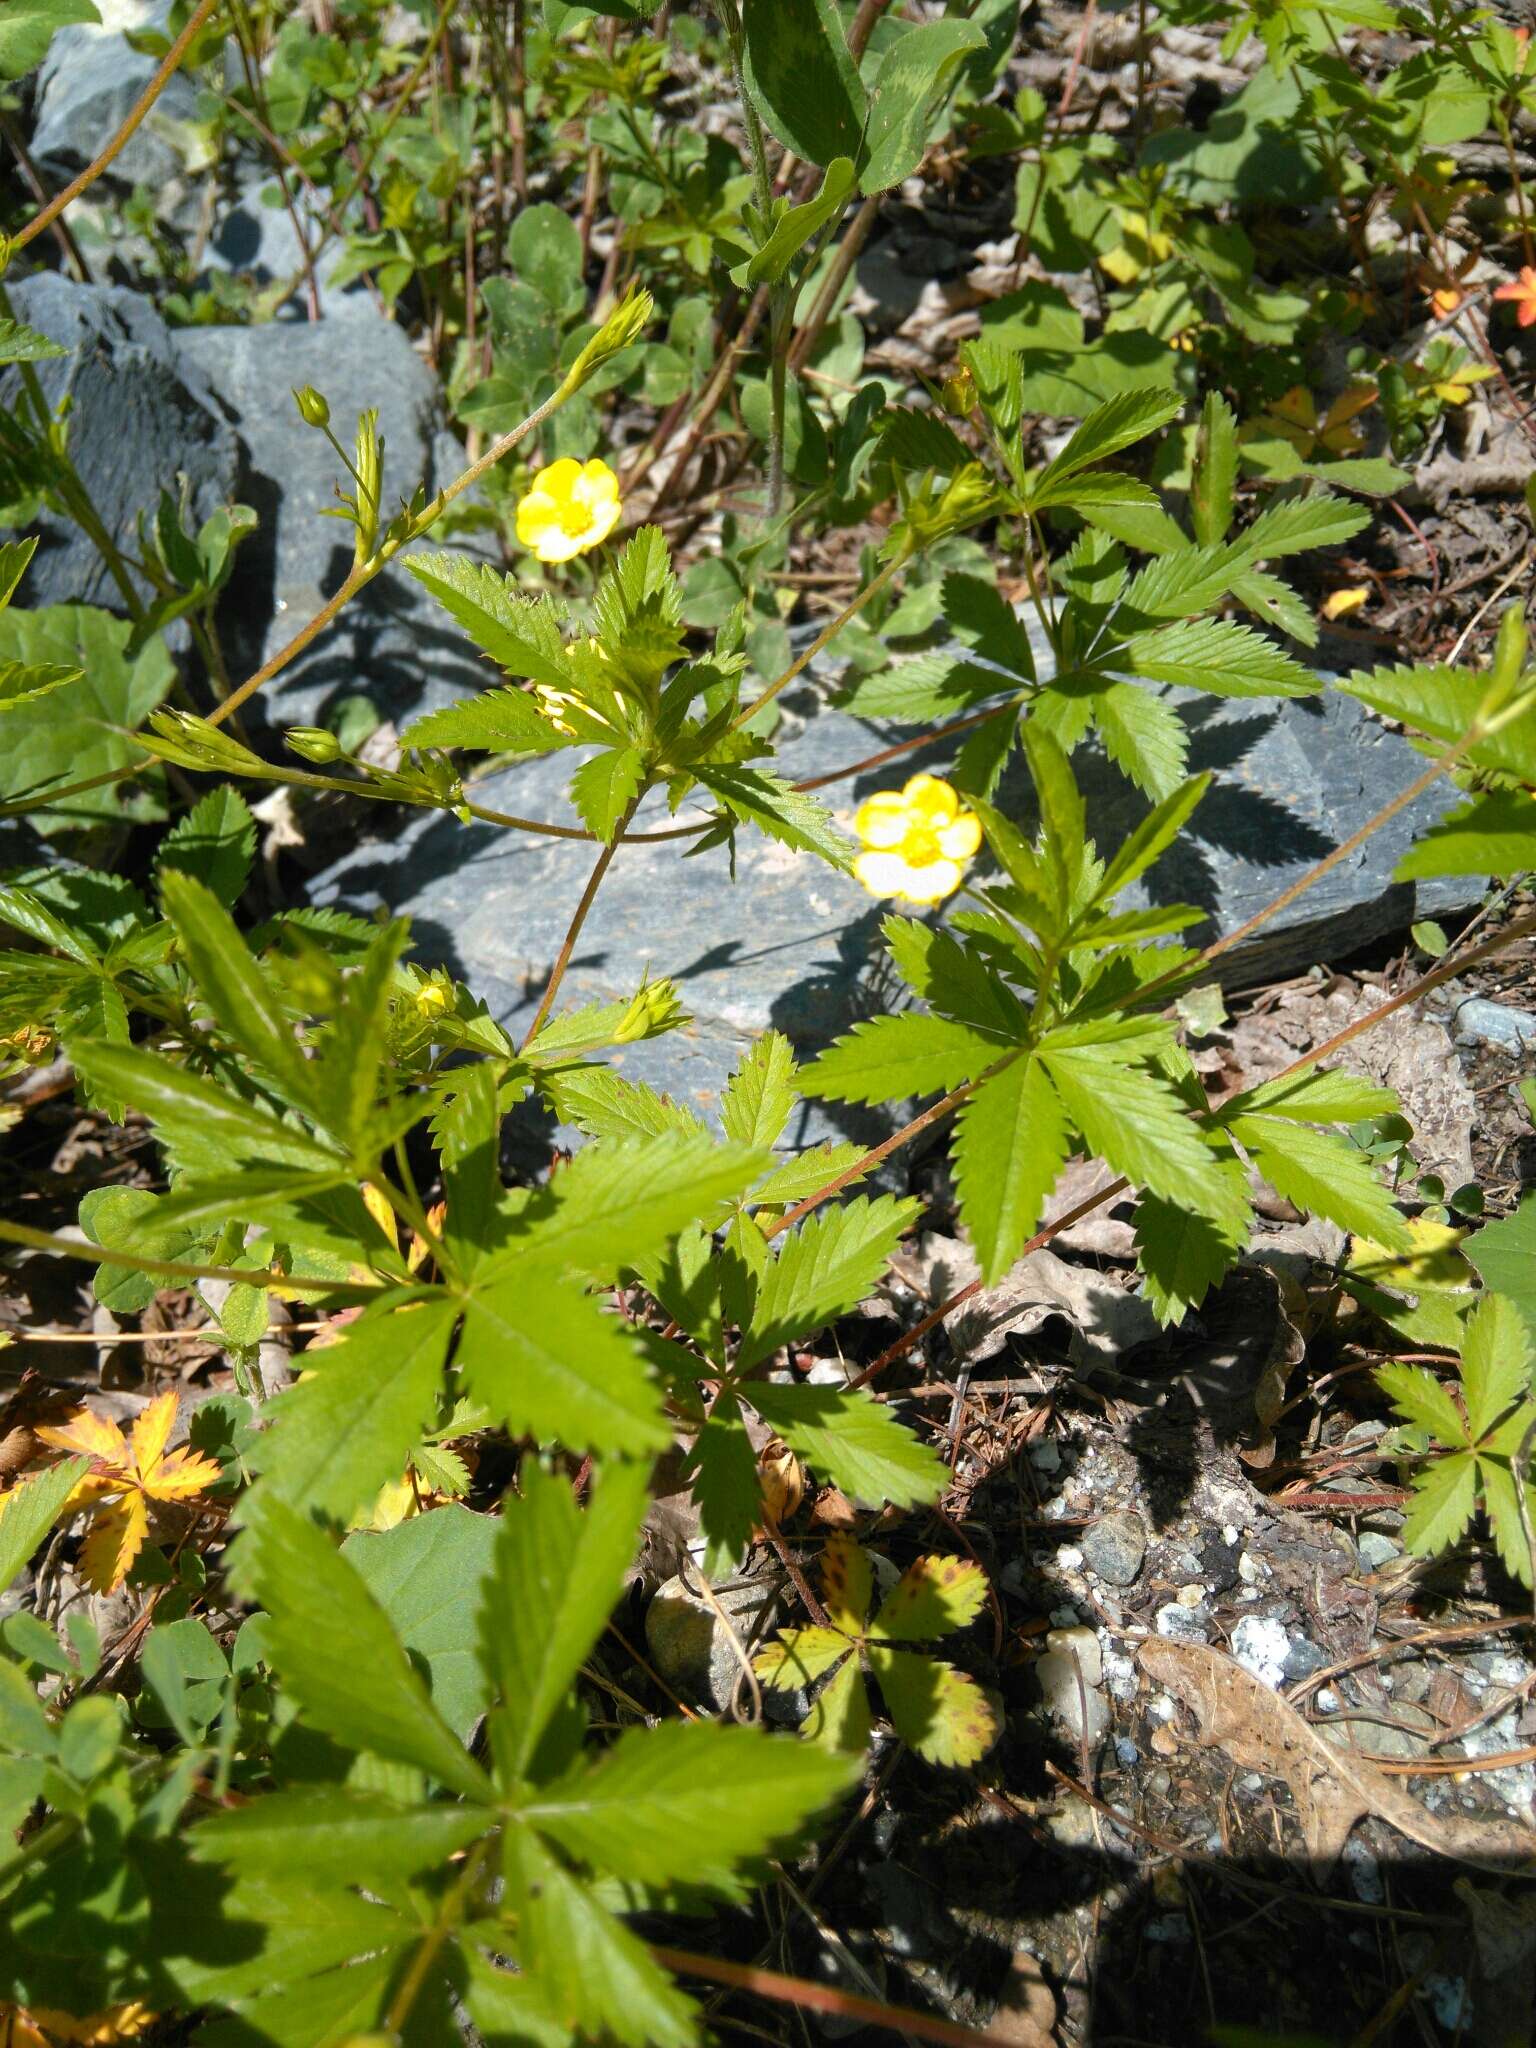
575,518
921,845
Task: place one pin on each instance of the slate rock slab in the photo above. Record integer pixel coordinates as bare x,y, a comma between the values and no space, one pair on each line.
140,413
392,644
795,945
87,86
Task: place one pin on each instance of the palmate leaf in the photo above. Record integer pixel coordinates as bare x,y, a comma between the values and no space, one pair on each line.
324,1629
346,1428
1011,1141
1215,471
1152,837
549,1364
1128,417
276,1934
855,1442
839,1718
604,1105
1144,736
1496,1362
824,1267
726,1486
1314,519
798,1657
18,342
1444,1501
215,843
887,1059
1422,1401
244,1000
1138,1125
559,1571
1501,1504
1326,1095
688,1802
767,801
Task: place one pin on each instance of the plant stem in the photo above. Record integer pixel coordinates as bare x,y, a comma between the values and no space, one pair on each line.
823,638
578,919
178,1269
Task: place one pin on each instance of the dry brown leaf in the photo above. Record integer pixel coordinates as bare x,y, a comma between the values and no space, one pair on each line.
1332,1787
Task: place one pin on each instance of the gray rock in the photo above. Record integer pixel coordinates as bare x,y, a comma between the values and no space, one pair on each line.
791,943
1070,1675
691,1648
1377,1549
1302,1659
1115,1545
87,86
1499,1024
1183,1624
258,243
391,644
141,415
1261,1646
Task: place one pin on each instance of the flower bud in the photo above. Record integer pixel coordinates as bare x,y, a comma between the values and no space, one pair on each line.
313,743
313,410
959,393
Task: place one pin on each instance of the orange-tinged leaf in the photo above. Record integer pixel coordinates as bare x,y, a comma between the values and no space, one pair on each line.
92,1434
933,1597
847,1582
938,1711
116,1538
151,1433
181,1475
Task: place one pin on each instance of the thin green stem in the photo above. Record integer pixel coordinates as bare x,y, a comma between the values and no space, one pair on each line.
179,1269
824,638
579,918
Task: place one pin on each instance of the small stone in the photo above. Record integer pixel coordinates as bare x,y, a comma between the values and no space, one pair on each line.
1250,1569
1260,1645
1045,1457
1500,1024
1115,1547
1231,1533
690,1647
1181,1624
1065,1617
1328,1701
1376,1550
1192,1595
1163,1740
1302,1659
1069,1674
1069,1557
1126,1751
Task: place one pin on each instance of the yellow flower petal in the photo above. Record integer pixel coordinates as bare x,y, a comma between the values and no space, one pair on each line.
931,798
933,881
961,839
881,873
569,507
882,819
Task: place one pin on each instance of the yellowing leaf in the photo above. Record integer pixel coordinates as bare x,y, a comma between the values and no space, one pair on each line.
933,1597
839,1716
1434,1263
1340,603
938,1711
116,1538
127,1473
799,1657
846,1583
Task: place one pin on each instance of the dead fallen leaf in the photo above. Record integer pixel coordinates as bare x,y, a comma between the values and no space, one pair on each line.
1332,1787
1106,1318
1026,2006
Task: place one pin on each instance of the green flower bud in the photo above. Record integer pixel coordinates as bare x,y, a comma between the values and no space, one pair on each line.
313,410
313,743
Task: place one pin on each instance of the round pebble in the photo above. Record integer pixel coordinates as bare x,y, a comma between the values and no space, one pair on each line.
1115,1546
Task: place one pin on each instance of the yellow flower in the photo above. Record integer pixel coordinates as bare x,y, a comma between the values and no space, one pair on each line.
917,841
569,507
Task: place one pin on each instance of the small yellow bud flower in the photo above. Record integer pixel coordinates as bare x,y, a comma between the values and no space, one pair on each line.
313,409
431,999
569,507
917,841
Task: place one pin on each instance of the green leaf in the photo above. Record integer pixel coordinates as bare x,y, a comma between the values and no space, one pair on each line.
1011,1142
214,843
802,77
1444,1498
467,1130
591,1972
346,1428
1496,1359
1493,834
1152,837
1314,519
545,249
760,1094
26,29
916,75
938,1711
1421,1400
689,1802
1215,655
929,686
507,2007
624,1198
202,1126
550,1365
823,1268
1138,1125
1129,417
520,633
335,1836
603,788
502,721
933,1597
798,1657
243,999
22,344
429,1574
1504,1254
605,1105
559,1571
854,1441
767,801
722,1471
1215,471
887,1059
24,683
1144,736
272,1935
1324,1174
796,225
1182,1254
325,1631
86,729
1324,1096
839,1718
1501,1504
30,1509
